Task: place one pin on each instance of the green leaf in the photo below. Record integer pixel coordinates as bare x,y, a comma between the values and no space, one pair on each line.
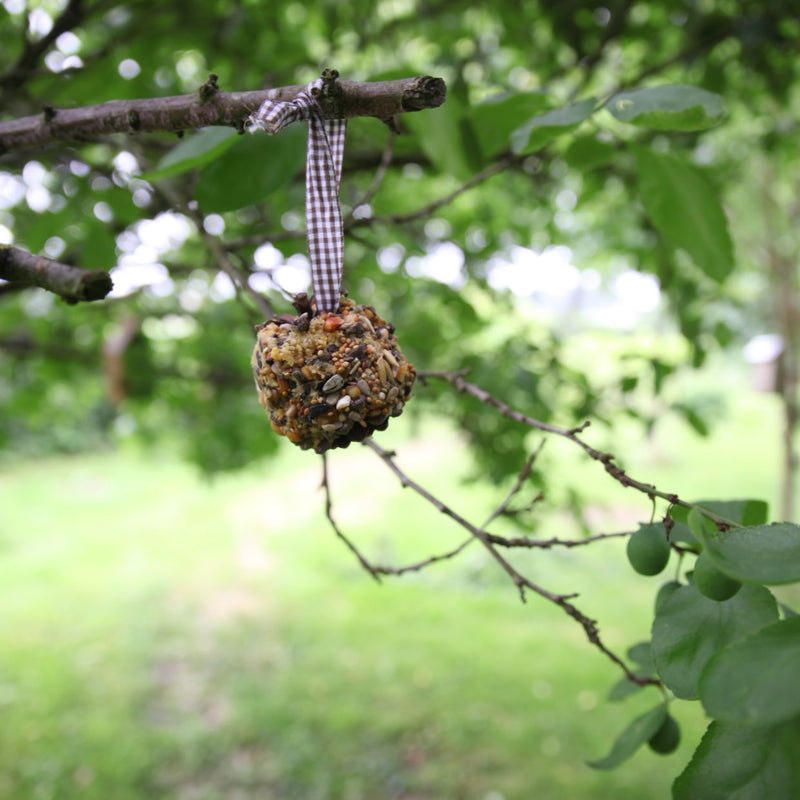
542,128
742,512
623,688
787,611
695,420
98,249
495,119
587,152
251,169
689,629
760,554
743,762
446,136
685,209
642,654
194,151
632,738
699,524
664,593
755,680
669,108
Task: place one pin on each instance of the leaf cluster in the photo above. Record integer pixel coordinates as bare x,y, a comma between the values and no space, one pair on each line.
736,656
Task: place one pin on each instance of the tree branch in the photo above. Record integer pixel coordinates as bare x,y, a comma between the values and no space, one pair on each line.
73,284
547,544
210,106
350,223
563,601
458,382
337,530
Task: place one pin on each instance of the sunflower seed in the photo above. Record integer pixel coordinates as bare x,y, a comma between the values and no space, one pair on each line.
332,384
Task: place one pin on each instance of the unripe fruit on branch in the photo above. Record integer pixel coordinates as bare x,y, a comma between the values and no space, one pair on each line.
711,582
667,738
648,549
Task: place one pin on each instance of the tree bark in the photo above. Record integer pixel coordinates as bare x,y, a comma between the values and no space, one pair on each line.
73,284
210,106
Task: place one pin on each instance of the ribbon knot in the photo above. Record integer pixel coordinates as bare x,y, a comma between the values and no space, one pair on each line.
325,148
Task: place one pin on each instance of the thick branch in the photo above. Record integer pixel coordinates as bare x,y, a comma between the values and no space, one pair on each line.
73,284
382,99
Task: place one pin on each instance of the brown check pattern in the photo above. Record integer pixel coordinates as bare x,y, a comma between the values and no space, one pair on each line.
323,176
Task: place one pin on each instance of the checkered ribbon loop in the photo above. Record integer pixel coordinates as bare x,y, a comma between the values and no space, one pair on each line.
323,176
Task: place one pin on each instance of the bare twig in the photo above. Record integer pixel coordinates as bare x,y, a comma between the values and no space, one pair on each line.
73,284
457,380
377,178
399,219
524,474
337,530
350,223
425,562
499,511
546,544
236,275
209,106
520,581
215,246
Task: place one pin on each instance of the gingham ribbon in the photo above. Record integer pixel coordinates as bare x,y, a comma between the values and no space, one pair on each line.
323,176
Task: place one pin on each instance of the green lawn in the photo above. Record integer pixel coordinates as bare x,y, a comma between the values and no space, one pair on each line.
163,637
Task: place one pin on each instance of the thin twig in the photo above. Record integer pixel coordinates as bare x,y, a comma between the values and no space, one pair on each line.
546,544
456,379
425,562
351,224
499,511
218,250
399,219
524,474
377,178
337,530
239,277
520,581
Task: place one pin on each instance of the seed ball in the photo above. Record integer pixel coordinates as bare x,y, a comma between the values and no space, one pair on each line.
330,379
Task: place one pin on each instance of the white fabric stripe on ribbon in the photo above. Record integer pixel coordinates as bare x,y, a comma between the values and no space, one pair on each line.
325,149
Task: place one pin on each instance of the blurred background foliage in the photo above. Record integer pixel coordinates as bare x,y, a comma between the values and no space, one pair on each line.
186,630
496,280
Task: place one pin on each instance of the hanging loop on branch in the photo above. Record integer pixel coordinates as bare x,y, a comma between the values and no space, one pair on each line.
325,149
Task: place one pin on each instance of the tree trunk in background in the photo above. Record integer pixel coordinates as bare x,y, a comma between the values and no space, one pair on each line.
783,261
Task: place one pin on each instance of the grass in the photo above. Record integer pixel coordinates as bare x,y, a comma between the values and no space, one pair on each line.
168,638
